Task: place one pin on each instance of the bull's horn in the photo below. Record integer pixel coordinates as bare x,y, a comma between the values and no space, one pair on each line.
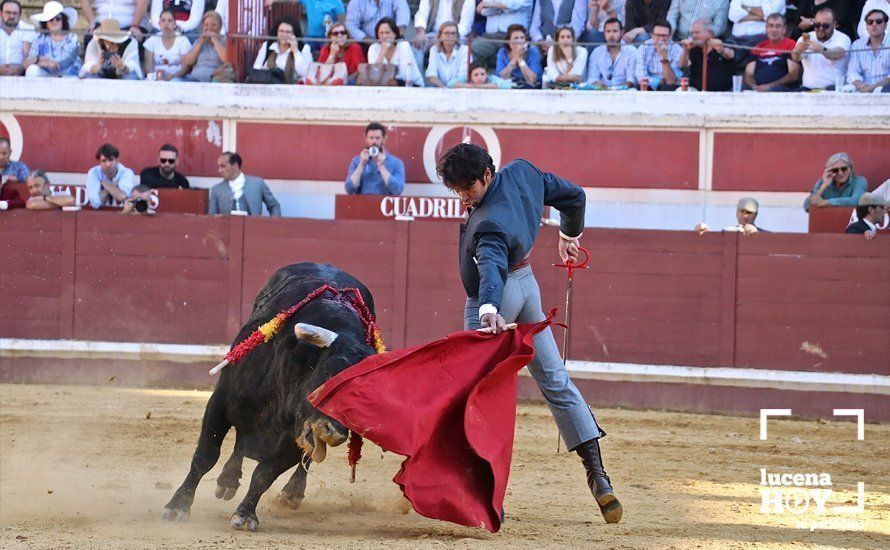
316,336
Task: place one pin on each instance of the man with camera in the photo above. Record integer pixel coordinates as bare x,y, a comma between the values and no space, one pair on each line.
164,175
110,179
139,202
374,171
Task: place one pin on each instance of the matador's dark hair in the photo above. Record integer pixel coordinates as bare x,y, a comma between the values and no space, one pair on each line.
463,165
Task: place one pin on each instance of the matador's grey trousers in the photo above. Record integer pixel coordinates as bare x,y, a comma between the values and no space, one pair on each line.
521,303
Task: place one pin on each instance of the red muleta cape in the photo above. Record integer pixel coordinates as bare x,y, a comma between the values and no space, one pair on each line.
448,406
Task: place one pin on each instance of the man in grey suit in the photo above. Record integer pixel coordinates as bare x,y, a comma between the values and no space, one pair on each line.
240,192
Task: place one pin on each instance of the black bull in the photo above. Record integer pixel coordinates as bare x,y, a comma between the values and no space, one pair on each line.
263,396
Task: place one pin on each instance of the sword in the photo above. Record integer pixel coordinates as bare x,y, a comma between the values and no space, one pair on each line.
570,266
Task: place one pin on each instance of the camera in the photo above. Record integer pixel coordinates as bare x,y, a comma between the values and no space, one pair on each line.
140,205
373,151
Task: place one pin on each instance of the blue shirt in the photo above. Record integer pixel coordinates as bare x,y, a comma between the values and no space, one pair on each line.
372,183
125,179
16,168
316,10
362,16
532,57
848,195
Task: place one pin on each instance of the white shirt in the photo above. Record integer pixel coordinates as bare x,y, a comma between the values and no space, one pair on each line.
189,24
169,61
237,187
448,69
862,29
820,72
443,15
301,60
751,28
12,46
93,54
557,68
403,58
122,10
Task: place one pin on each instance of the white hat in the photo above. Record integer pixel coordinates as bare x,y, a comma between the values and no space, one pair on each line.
52,9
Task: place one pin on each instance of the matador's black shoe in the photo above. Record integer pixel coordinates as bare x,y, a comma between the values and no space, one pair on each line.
598,481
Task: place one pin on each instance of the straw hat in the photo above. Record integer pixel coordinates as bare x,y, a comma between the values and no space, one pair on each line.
110,30
52,9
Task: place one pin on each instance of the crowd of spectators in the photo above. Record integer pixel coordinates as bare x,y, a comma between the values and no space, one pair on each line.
714,45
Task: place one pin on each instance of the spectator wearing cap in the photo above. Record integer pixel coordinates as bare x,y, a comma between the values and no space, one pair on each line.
41,196
746,213
56,51
613,64
870,209
112,53
16,37
12,170
839,185
823,56
720,58
683,13
129,14
771,68
109,179
869,67
240,193
749,19
164,175
362,16
658,60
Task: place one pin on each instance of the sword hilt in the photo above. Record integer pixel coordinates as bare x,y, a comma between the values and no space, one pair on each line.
570,266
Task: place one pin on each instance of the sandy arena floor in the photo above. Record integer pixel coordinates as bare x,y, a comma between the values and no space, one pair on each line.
88,468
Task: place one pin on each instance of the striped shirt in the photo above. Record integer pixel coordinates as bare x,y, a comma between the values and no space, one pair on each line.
612,72
869,66
362,16
649,62
683,13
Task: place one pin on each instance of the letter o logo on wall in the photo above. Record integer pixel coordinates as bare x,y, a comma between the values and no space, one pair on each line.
16,141
492,144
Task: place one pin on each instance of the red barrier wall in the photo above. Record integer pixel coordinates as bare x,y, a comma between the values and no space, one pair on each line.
651,296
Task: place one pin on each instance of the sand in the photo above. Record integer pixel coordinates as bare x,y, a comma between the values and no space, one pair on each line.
89,467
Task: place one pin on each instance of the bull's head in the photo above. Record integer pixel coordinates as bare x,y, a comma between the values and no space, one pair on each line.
318,430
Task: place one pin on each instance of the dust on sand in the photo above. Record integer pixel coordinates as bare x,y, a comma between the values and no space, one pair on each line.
89,467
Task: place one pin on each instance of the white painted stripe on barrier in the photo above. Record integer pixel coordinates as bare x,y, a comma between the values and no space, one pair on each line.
73,349
727,376
619,372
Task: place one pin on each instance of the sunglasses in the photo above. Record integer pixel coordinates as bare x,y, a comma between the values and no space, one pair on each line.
823,26
338,33
167,161
839,169
875,21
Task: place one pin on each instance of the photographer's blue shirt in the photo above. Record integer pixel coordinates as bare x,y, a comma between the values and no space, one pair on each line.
371,182
316,10
125,179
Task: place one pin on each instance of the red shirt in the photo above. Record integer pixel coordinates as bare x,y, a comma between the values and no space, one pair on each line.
768,49
12,196
353,56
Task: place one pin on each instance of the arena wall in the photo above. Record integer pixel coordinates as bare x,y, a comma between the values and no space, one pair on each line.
662,318
656,161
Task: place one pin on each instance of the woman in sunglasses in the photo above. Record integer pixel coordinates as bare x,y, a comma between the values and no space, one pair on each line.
340,50
55,51
839,185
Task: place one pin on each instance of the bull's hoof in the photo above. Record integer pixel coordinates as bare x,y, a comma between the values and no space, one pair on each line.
247,522
172,514
225,493
291,501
